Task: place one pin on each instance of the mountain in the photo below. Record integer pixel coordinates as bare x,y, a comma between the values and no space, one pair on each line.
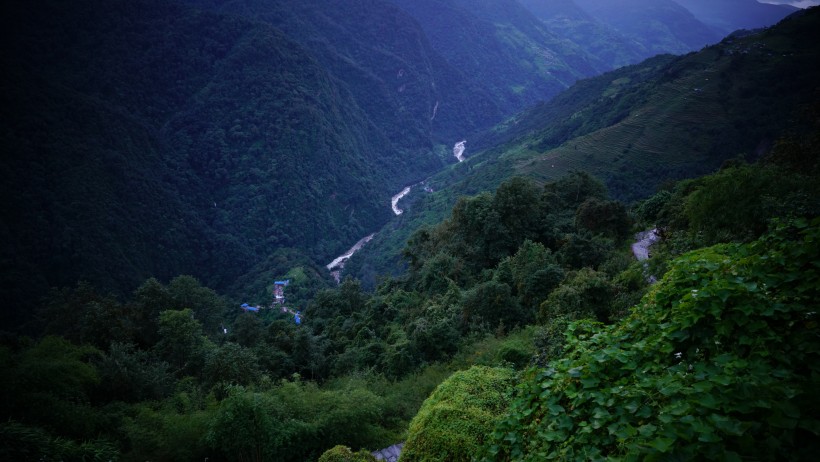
637,127
383,58
567,20
621,33
671,117
661,26
150,139
726,16
500,46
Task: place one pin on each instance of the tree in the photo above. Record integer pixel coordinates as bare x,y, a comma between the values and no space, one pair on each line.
533,272
584,294
243,428
489,304
344,454
231,364
128,374
83,315
187,292
247,330
572,190
150,299
603,217
182,342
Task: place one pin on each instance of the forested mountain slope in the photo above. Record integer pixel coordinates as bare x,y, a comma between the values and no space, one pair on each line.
661,26
383,57
144,138
567,20
640,126
501,47
672,117
726,16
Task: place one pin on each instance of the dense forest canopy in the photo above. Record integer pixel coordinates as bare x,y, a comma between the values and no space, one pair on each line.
166,162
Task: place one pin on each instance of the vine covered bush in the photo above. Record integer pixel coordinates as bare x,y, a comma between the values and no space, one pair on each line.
720,361
454,421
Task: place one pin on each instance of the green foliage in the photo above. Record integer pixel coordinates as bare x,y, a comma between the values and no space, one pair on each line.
490,304
83,315
208,307
165,433
454,421
648,210
736,203
231,363
514,349
603,217
130,374
533,272
21,442
584,294
718,361
182,343
344,454
244,427
485,229
57,367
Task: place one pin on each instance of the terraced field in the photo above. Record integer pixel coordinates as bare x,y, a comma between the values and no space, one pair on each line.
673,129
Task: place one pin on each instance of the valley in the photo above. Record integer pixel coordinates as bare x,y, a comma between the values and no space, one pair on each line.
621,263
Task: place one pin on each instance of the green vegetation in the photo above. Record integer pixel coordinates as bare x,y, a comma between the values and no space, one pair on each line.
161,369
344,454
253,140
453,422
718,362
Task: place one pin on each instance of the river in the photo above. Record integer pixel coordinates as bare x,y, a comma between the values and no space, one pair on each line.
458,150
335,267
340,261
394,203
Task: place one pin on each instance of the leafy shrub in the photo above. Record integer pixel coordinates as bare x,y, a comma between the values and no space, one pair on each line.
453,422
344,454
720,361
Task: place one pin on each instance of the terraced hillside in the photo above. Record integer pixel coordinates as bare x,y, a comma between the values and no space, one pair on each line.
732,99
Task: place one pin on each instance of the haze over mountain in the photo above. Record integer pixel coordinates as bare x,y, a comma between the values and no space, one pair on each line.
727,16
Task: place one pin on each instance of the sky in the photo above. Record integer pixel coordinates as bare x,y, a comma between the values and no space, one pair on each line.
797,3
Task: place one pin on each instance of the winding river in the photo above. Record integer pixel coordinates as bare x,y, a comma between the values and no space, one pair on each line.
394,202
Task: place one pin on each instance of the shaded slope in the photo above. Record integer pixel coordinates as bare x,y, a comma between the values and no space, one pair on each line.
143,139
502,48
567,20
381,55
661,26
669,118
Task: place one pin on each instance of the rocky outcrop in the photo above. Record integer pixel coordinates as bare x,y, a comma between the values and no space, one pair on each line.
390,454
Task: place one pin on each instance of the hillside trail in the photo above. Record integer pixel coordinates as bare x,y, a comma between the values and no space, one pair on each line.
640,249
